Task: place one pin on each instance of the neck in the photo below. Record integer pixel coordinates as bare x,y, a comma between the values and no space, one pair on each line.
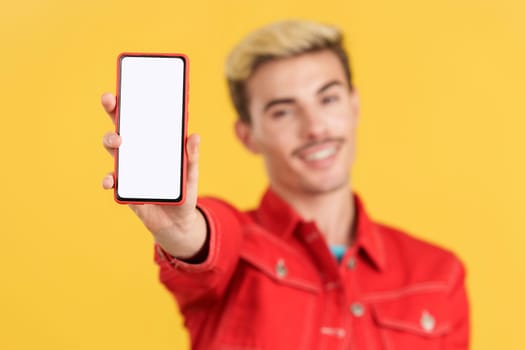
333,212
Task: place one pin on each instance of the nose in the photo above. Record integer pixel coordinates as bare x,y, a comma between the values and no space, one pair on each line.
314,126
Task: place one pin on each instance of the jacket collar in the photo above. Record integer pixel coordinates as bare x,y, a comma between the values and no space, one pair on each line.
278,217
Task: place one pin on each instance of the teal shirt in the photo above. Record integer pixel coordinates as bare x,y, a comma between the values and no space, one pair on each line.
338,251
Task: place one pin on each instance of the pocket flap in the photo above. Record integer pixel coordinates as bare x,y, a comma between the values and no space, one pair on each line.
424,314
279,261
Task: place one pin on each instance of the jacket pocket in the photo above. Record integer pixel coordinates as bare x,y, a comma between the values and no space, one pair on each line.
279,262
418,320
273,298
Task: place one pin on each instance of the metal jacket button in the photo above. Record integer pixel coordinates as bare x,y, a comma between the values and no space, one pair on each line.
350,263
357,309
280,269
427,321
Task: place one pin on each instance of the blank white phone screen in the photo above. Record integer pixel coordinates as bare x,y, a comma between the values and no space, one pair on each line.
151,118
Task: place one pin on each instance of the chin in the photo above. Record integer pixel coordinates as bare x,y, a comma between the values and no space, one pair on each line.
326,187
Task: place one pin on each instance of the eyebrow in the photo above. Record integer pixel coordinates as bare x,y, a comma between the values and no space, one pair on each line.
289,100
329,85
278,101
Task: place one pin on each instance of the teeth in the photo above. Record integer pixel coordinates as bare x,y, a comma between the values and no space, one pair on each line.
322,154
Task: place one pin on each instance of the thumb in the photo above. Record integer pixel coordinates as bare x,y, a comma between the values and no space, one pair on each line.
192,176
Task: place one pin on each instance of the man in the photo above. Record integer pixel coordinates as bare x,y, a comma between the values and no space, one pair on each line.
308,269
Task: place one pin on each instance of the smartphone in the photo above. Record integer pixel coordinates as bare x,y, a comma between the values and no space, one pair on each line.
151,118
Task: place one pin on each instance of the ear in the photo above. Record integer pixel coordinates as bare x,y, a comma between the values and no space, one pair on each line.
243,131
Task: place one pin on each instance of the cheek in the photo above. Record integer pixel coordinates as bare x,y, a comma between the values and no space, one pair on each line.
345,118
279,138
344,125
269,144
279,146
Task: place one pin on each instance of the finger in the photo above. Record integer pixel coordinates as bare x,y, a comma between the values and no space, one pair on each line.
138,209
192,176
134,208
109,102
111,142
192,148
108,182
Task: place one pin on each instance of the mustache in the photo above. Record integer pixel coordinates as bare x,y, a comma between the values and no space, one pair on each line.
338,140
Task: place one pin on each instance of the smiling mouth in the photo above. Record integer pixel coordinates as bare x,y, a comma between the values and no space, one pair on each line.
319,151
321,154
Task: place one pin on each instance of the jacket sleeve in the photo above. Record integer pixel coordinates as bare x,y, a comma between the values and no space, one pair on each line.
205,282
459,337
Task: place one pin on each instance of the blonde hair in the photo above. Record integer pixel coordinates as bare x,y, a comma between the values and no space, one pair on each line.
274,41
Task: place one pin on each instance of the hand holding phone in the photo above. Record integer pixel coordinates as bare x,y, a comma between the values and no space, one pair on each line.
180,230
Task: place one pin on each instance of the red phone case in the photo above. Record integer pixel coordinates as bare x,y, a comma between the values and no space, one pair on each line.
184,129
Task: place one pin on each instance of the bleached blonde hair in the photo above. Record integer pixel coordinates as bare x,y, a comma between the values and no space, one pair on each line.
278,40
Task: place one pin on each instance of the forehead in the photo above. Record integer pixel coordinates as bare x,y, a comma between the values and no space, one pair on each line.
295,76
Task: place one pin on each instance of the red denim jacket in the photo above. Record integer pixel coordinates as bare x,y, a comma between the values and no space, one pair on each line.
269,282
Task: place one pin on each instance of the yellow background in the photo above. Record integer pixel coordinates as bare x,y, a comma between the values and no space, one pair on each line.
440,152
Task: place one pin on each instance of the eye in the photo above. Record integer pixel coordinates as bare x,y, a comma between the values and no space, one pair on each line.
328,99
279,113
